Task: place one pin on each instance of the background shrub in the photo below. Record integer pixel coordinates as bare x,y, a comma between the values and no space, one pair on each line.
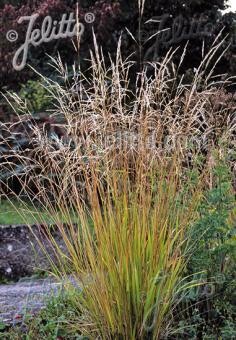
208,311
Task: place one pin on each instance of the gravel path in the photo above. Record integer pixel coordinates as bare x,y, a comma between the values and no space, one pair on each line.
24,298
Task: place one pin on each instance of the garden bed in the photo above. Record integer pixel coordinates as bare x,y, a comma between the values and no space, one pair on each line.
20,253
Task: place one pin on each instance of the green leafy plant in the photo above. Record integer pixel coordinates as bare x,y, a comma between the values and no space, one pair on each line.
35,96
210,309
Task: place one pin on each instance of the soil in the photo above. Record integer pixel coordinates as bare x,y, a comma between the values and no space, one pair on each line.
20,253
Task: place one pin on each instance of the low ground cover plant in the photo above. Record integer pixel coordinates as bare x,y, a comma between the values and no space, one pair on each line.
16,213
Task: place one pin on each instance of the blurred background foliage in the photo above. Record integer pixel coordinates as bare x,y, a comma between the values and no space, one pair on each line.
113,18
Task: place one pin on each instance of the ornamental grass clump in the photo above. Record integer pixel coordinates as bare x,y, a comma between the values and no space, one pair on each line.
115,186
126,245
130,253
